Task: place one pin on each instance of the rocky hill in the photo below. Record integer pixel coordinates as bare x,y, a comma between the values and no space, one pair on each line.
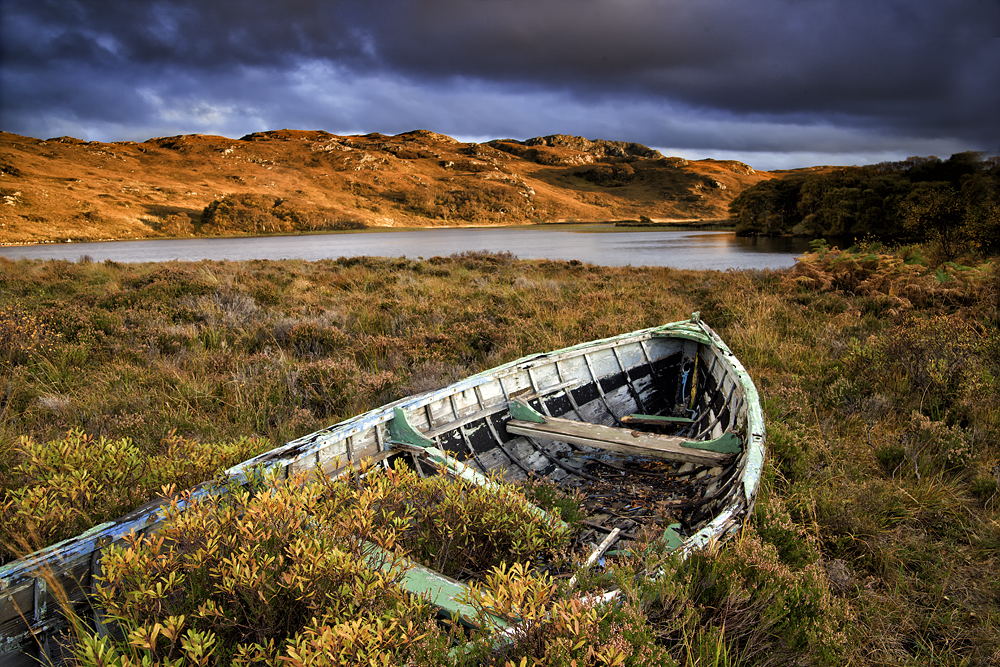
289,180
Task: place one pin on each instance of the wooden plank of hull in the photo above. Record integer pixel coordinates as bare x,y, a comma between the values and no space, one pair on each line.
615,439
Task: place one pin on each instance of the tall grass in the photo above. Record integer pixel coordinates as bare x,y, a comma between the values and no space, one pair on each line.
878,525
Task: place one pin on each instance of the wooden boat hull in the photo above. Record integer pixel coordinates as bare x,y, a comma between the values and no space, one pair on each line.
575,415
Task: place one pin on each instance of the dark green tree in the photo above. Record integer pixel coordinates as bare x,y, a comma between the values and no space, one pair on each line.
953,204
934,212
769,208
980,194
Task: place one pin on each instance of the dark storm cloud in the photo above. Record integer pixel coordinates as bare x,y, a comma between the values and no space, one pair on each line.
208,34
837,77
902,61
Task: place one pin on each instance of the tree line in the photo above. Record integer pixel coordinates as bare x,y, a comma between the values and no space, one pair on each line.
952,204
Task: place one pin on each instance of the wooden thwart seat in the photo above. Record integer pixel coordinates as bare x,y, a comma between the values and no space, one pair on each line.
620,439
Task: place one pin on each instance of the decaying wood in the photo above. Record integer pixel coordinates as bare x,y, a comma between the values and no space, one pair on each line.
615,439
598,551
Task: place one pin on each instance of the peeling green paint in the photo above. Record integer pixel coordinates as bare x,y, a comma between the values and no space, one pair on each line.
672,538
521,410
400,430
727,443
441,591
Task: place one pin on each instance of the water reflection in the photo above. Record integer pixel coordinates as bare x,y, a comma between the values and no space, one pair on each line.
595,245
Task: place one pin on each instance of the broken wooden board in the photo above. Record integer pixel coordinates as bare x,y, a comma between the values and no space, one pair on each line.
656,420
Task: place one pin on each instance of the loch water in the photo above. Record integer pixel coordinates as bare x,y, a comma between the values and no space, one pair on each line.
603,245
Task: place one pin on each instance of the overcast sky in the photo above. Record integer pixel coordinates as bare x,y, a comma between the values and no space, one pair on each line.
774,83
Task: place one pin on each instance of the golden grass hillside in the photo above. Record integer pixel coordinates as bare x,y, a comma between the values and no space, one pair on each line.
66,189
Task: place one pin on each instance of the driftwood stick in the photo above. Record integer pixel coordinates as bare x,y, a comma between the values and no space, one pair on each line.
597,553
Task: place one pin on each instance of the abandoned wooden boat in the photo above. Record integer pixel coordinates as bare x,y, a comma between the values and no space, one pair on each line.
660,426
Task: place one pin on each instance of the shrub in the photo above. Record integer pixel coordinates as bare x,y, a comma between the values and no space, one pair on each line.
484,260
926,362
484,203
550,630
311,338
23,336
245,212
70,484
175,224
268,214
934,447
741,605
609,175
288,574
464,529
551,497
339,388
306,572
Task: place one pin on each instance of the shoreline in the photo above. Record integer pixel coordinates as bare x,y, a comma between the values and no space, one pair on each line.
694,224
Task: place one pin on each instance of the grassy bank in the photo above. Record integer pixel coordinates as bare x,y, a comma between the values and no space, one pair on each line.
880,379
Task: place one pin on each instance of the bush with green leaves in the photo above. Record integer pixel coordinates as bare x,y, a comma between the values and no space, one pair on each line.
295,571
268,214
463,529
941,366
23,335
72,483
532,622
740,605
952,205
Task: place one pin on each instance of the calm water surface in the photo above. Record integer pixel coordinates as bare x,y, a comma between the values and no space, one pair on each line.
593,244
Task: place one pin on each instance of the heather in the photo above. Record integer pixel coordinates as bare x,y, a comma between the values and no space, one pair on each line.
875,538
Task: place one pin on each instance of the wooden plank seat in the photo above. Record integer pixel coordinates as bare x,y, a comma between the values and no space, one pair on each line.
530,423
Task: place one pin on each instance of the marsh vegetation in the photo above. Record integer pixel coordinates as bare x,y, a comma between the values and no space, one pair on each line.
875,538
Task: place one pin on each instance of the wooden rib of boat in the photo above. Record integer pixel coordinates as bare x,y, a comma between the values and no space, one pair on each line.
659,422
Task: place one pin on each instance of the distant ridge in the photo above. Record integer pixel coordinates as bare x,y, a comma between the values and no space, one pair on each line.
306,180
